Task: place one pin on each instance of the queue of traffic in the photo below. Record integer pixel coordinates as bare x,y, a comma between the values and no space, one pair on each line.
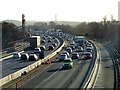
77,44
35,52
77,49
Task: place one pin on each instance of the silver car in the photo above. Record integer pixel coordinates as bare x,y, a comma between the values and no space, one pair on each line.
62,57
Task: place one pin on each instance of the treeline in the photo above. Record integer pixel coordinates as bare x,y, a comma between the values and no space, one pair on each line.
104,31
10,34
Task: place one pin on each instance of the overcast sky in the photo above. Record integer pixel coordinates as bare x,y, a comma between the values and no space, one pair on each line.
65,10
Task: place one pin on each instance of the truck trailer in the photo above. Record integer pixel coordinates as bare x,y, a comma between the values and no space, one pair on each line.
35,41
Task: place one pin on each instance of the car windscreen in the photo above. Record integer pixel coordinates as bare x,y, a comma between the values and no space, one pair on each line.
62,55
74,54
87,54
67,61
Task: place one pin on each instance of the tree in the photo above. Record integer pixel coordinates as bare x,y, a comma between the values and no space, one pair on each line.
10,34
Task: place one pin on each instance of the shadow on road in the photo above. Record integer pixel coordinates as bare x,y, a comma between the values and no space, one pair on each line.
54,70
55,61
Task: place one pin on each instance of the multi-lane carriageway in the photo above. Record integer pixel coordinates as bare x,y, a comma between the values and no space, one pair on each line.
11,65
53,76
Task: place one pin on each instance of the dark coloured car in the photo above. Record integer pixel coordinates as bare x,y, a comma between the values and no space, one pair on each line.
16,55
51,47
88,49
24,56
65,52
79,49
69,50
62,57
42,41
54,44
33,57
75,56
43,48
72,46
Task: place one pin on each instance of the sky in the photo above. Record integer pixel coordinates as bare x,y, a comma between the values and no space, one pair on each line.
64,10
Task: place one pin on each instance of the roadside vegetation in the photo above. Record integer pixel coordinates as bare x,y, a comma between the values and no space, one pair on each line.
10,34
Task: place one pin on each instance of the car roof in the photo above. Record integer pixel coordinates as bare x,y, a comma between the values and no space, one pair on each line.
24,53
65,52
32,54
62,54
16,53
68,59
68,48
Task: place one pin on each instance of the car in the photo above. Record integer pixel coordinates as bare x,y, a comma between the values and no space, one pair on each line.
67,63
49,37
51,47
88,49
24,56
88,43
87,55
33,57
62,57
90,46
49,40
16,55
55,40
43,48
65,52
72,42
79,49
42,41
37,49
72,46
75,56
69,50
54,44
53,37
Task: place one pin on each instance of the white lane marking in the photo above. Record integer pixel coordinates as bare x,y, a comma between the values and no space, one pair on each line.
48,78
98,74
6,57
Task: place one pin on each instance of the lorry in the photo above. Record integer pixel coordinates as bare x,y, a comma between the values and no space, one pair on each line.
80,40
35,41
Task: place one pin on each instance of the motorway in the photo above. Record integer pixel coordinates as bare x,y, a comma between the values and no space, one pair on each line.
54,76
11,65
